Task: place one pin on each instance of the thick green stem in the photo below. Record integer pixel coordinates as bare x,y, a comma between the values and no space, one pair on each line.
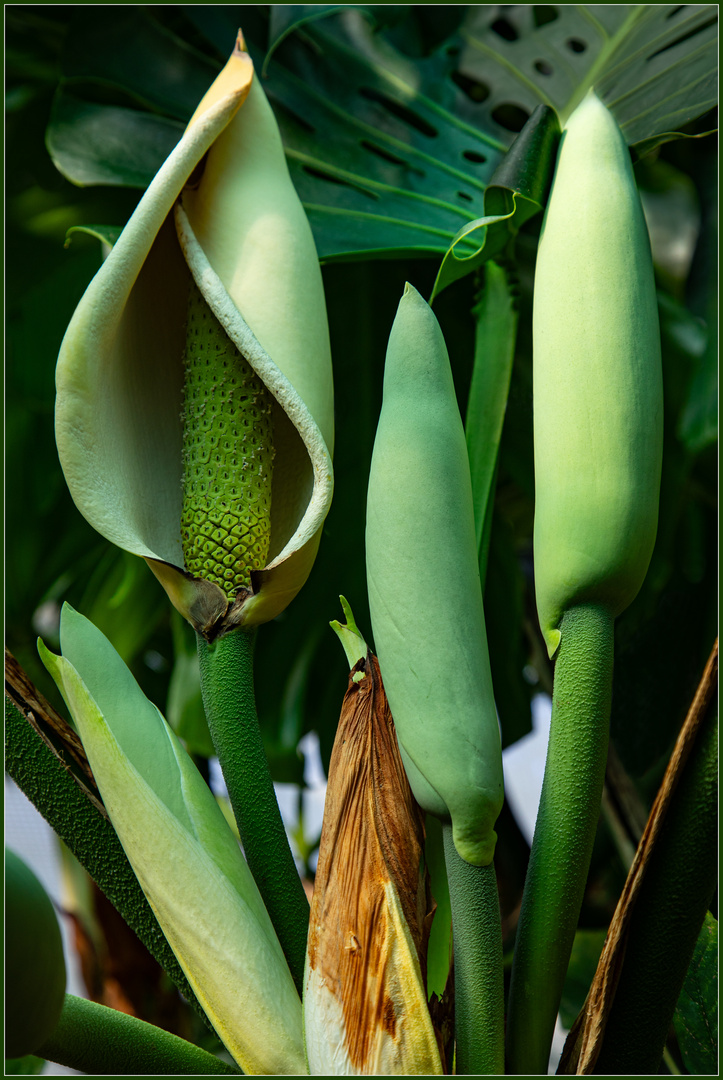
478,974
100,1041
48,783
227,684
564,834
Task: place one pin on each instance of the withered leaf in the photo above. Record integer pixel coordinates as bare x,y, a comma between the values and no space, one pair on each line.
365,1002
50,726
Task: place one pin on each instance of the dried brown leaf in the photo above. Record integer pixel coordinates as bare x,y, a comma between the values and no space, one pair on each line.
56,733
365,1000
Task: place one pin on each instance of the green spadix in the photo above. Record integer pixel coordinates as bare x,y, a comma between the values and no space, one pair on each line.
222,214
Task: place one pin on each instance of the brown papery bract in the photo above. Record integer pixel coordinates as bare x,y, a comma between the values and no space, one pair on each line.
373,835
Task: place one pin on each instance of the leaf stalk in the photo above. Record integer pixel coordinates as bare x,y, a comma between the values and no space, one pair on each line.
227,686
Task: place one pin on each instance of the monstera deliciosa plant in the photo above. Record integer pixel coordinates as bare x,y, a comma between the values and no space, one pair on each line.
468,253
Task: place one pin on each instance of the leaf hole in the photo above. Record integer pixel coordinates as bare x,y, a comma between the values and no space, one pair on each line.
452,50
474,89
510,116
543,68
542,14
473,156
504,29
686,37
319,174
400,110
386,155
465,196
575,45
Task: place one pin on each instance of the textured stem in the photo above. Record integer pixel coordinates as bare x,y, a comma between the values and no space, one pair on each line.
97,1040
478,977
48,783
227,684
564,834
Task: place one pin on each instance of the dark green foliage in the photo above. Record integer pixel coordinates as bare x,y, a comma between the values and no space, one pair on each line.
41,775
382,192
52,554
696,1014
668,915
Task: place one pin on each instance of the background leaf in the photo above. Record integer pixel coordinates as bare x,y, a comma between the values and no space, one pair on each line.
586,950
696,1015
516,192
654,65
106,144
390,150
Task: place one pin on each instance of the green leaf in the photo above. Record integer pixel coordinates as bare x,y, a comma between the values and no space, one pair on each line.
696,1014
495,313
352,642
698,424
390,153
107,234
107,144
516,192
185,856
285,18
24,1066
185,704
419,125
139,56
580,973
653,65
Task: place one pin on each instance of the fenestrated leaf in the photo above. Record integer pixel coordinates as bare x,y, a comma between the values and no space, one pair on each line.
696,1015
653,65
384,158
492,87
391,154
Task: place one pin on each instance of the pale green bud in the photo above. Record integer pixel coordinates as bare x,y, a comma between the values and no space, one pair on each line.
598,397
